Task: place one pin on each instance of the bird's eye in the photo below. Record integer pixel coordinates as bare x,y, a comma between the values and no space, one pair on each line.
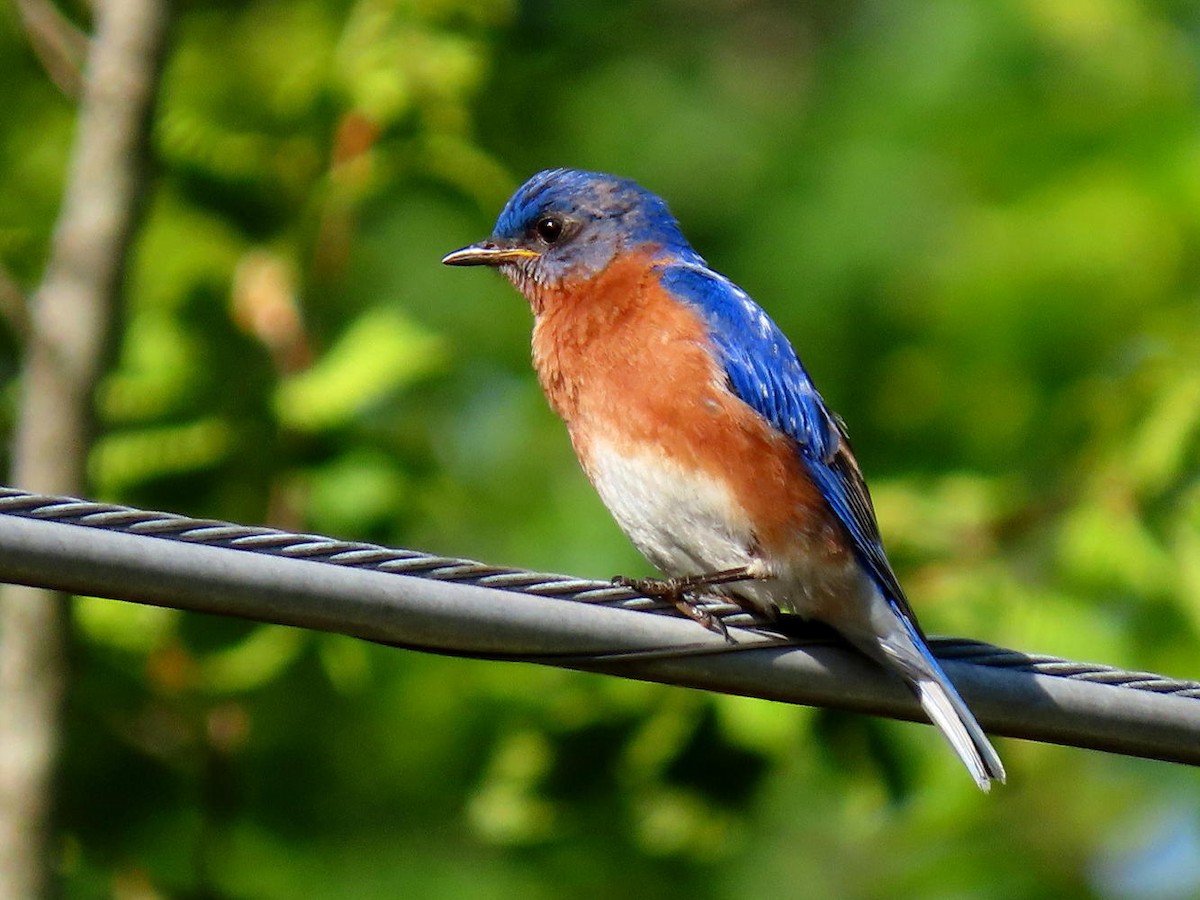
549,229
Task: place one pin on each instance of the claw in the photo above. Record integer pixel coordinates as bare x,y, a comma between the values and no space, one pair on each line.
676,591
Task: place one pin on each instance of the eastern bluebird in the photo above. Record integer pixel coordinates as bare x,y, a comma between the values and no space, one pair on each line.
701,430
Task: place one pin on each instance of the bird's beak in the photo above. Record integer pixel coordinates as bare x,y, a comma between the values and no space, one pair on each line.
488,253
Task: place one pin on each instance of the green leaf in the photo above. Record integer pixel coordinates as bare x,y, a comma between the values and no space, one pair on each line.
379,354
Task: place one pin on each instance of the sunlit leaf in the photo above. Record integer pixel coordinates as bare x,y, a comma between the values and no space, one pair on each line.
380,353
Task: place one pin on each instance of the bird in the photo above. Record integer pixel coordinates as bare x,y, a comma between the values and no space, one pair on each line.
703,433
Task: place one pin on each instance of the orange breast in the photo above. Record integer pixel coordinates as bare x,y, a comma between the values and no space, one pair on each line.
620,359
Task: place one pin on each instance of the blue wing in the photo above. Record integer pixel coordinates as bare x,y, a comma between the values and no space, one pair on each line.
764,371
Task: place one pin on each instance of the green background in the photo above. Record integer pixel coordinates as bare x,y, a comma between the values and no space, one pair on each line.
978,223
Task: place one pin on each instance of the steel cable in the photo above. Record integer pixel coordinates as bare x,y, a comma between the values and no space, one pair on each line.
104,551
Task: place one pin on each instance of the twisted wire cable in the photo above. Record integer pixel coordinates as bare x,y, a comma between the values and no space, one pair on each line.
458,606
357,554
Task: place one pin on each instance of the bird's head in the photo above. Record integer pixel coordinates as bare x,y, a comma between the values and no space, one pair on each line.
565,225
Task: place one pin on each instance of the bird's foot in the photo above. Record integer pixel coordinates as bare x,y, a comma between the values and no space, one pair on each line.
678,591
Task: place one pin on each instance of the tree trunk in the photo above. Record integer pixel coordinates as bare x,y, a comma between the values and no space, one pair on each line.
70,322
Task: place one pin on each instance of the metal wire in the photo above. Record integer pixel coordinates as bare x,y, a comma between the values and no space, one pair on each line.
456,606
356,554
353,554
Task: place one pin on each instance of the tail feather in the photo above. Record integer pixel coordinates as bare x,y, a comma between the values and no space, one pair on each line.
954,720
945,707
905,651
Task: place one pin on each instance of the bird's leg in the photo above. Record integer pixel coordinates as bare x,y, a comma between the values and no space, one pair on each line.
667,587
676,591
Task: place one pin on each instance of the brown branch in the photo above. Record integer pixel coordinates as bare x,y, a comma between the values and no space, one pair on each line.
69,323
14,305
59,44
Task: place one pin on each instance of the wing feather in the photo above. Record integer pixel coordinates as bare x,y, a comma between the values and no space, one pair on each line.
765,373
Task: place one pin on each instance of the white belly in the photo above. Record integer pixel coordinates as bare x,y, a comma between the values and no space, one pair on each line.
683,523
690,524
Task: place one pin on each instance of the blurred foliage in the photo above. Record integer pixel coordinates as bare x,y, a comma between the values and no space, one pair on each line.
978,222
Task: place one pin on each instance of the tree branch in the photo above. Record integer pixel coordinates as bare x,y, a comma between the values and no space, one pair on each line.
14,305
58,43
69,323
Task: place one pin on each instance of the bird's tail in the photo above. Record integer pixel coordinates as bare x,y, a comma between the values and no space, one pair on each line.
905,651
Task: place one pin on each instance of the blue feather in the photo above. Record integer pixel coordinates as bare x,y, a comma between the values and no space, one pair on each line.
765,373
